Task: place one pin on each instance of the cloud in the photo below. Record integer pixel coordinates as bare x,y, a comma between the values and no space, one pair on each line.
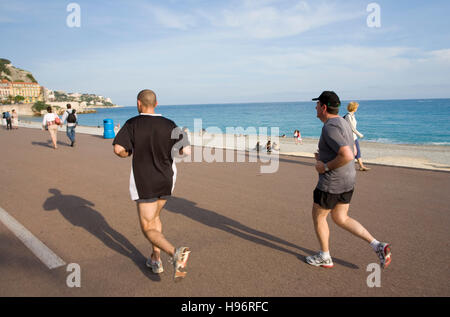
441,55
172,19
263,22
262,19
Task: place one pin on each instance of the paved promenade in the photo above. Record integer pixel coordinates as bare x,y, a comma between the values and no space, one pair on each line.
249,232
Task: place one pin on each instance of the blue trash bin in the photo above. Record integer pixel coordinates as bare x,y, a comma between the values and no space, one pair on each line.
108,129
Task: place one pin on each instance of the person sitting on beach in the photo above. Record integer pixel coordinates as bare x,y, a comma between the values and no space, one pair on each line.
152,140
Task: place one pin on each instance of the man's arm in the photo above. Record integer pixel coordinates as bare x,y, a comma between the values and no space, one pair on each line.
352,125
345,155
120,151
185,151
64,117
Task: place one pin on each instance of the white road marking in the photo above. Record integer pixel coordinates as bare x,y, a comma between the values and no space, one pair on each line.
47,256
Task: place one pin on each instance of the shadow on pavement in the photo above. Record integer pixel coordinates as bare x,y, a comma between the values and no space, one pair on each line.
215,220
79,213
49,144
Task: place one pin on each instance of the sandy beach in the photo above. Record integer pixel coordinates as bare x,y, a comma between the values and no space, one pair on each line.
249,232
430,157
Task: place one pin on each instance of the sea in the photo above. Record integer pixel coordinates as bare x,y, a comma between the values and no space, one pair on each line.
418,121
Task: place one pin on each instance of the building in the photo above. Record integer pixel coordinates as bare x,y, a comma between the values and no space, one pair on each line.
75,95
5,89
49,95
32,92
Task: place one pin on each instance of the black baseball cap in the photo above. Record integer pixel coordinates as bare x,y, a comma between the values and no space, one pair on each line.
330,99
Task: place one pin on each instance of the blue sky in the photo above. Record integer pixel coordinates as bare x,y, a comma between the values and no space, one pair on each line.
196,51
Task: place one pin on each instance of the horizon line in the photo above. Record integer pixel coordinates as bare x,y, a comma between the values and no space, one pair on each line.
302,101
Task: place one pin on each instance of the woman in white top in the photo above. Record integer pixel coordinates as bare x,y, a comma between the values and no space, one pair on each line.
350,117
50,122
15,119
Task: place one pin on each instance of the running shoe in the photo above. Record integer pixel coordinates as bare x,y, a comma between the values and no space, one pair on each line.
179,262
318,260
384,253
156,267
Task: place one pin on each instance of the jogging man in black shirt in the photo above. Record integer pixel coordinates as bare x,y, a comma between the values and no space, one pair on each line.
153,141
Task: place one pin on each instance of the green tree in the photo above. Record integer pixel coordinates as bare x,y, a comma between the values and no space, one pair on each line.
39,106
31,78
18,99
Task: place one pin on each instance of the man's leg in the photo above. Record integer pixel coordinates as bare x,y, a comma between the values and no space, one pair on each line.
73,134
321,226
341,218
151,227
156,255
53,136
323,259
68,133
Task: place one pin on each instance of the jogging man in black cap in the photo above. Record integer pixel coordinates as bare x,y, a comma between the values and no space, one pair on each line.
336,182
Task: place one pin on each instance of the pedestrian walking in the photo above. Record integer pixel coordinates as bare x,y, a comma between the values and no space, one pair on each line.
51,122
351,119
333,193
72,121
153,141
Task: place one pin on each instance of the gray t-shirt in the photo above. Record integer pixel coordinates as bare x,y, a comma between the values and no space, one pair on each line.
336,133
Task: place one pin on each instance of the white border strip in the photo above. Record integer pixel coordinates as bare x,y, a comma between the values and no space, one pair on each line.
47,256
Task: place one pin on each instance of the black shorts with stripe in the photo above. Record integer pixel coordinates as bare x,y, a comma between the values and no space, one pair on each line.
329,201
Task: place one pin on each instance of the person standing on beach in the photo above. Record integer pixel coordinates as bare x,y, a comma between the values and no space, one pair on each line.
4,119
72,119
15,119
296,136
8,120
350,117
299,137
50,123
153,141
335,188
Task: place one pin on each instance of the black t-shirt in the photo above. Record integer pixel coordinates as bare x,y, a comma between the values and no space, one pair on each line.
153,141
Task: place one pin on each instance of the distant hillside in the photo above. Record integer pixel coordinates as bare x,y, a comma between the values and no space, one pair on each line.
11,73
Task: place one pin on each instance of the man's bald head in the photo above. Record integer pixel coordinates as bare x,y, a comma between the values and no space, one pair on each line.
147,98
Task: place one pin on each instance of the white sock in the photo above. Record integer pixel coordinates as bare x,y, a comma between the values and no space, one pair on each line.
374,244
325,255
